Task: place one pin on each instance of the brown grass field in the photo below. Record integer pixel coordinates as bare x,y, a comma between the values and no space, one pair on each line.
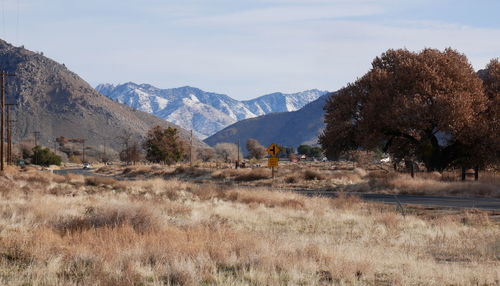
338,177
196,226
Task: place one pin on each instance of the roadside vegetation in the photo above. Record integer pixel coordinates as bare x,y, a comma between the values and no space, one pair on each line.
70,230
325,176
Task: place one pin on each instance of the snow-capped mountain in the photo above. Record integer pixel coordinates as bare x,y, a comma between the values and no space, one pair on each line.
203,112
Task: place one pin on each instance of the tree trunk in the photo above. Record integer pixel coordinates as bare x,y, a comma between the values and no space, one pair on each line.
463,173
476,173
412,169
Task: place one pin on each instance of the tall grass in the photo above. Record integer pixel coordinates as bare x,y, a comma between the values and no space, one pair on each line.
171,232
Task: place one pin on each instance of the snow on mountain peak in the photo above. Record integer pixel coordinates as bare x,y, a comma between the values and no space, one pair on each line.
203,112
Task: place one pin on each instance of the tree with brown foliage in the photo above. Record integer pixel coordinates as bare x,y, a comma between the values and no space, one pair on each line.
487,148
426,106
164,145
255,150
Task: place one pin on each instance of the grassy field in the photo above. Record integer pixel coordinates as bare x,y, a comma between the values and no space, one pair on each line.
167,230
339,177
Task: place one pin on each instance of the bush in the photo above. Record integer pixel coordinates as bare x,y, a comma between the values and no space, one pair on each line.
44,157
310,175
190,171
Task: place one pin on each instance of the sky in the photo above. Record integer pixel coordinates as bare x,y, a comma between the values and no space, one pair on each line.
244,48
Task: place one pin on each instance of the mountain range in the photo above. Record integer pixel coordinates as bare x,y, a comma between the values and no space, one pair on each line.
203,112
55,102
284,128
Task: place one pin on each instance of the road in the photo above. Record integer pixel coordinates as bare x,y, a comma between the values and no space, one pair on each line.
80,171
431,201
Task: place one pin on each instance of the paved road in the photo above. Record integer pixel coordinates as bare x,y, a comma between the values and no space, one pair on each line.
434,201
80,171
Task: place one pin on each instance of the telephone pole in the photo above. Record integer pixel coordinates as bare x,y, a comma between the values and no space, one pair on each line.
3,80
191,149
83,150
238,161
35,134
9,134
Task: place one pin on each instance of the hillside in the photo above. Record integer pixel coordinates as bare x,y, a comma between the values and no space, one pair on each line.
203,112
286,128
56,102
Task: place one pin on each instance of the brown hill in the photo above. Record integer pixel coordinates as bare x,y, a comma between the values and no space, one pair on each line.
57,102
285,128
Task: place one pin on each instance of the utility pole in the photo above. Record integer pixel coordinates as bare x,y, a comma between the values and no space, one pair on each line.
83,150
105,155
238,161
9,134
191,149
35,134
3,80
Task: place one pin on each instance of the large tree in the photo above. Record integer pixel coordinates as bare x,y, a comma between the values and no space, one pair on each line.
255,149
228,152
428,106
164,145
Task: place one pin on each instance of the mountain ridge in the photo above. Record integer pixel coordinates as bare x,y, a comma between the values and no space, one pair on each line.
203,112
285,128
57,102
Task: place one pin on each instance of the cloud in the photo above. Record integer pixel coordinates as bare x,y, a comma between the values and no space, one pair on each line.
285,14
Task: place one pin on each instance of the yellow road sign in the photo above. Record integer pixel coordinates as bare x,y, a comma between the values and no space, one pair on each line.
272,162
273,150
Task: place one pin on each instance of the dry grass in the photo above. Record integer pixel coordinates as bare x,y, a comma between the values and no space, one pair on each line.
72,231
100,181
337,176
253,175
313,175
431,184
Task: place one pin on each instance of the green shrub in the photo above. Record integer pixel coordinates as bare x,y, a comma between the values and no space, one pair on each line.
45,157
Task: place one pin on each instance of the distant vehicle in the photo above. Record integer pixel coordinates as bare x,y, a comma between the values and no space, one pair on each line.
385,160
324,159
86,166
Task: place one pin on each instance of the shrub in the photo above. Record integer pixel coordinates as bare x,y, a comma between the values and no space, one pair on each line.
190,171
253,175
44,157
310,175
112,216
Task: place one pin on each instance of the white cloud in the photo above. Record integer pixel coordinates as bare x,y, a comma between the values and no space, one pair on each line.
285,14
